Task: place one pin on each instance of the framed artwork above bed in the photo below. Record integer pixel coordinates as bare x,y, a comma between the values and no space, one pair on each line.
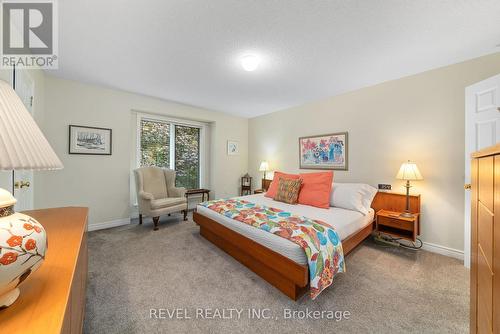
324,151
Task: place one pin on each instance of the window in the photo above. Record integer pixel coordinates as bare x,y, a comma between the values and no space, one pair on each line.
174,144
187,156
155,143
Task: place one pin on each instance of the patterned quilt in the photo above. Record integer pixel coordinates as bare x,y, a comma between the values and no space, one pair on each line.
319,241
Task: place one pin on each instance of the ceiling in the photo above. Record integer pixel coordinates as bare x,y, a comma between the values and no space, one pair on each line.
188,51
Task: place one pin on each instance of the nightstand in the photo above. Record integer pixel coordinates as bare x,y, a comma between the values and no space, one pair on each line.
391,223
259,191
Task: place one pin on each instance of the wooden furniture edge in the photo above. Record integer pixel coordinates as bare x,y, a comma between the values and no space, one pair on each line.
492,150
391,223
201,191
34,291
286,275
68,300
265,184
33,213
473,264
282,265
392,201
355,239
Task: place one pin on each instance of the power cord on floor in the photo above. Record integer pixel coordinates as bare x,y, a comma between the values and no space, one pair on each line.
389,241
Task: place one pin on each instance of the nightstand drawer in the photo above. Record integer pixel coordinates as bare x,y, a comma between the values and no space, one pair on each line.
396,223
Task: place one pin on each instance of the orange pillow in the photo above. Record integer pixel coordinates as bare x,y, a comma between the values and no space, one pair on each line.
316,189
273,187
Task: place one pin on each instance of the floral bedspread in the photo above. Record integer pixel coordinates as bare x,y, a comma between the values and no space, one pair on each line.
319,241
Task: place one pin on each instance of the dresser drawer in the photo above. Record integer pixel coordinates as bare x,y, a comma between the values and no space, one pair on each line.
396,223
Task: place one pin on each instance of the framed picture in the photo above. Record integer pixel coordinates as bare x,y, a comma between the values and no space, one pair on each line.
324,151
233,147
90,140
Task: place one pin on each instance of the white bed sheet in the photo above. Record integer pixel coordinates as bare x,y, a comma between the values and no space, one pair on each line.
345,222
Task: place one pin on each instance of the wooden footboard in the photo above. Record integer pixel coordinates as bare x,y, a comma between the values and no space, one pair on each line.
286,275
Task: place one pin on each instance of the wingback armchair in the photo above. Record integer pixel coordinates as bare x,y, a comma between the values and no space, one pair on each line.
157,194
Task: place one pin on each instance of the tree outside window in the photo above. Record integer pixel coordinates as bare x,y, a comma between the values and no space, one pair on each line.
157,148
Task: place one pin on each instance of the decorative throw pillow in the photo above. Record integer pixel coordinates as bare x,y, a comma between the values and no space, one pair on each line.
288,191
316,189
273,187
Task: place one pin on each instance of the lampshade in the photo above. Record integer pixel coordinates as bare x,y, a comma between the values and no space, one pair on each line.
409,171
22,143
264,166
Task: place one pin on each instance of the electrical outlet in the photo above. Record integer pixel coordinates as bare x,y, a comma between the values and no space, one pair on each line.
384,186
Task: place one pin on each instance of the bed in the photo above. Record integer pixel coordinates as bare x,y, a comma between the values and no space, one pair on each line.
281,262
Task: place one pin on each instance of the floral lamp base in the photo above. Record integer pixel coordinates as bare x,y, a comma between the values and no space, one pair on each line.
23,243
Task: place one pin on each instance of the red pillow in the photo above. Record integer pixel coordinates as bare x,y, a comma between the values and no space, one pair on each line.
316,188
273,187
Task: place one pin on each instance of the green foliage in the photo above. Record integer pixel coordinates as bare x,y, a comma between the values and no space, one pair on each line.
155,144
187,156
155,150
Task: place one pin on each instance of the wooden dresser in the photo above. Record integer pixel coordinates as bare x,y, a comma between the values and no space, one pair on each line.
52,299
485,241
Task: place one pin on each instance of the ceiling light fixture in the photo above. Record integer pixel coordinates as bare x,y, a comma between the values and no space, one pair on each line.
250,62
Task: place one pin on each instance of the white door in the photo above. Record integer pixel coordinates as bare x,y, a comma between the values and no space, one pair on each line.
482,129
23,191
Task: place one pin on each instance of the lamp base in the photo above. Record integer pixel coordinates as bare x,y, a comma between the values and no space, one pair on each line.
23,242
9,298
407,214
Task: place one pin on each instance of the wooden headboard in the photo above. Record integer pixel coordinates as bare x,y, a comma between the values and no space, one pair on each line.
266,183
395,202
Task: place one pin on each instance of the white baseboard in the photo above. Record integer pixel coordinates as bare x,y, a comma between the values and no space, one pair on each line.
109,224
446,251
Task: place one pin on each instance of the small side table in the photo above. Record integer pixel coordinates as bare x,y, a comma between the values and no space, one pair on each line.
197,192
259,191
391,223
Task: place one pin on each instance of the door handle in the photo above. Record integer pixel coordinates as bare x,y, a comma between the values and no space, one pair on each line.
467,186
21,184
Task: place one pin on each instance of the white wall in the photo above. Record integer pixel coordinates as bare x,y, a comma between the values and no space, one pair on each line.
103,182
420,117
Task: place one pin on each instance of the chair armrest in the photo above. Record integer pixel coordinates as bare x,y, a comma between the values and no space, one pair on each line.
146,196
177,192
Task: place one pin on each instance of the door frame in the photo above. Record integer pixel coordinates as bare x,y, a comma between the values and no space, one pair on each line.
25,197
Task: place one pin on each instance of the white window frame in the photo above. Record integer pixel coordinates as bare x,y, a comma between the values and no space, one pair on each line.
173,122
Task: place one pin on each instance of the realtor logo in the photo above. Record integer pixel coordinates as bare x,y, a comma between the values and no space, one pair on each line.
29,38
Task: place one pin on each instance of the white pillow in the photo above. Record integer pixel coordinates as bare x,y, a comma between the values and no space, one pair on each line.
352,196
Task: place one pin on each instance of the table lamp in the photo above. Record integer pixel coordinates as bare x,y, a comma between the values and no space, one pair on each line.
264,167
409,172
23,240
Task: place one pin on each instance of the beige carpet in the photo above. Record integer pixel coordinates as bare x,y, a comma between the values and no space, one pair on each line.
385,290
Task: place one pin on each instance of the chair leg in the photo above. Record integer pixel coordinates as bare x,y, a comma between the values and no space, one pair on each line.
155,222
185,214
140,219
